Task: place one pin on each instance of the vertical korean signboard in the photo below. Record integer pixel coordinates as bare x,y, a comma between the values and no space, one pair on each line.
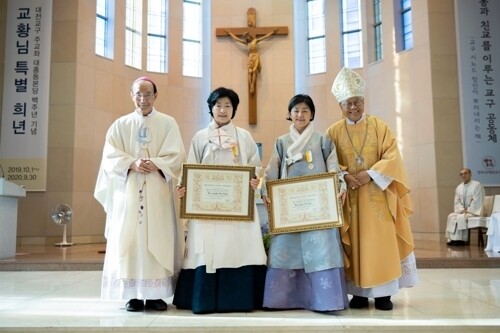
478,43
25,108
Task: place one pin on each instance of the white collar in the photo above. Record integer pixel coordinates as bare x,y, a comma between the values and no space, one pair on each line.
139,113
350,122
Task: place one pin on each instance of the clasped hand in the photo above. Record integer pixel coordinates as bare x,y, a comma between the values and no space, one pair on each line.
357,180
142,165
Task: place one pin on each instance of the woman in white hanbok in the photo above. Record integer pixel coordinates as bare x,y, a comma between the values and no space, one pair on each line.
224,264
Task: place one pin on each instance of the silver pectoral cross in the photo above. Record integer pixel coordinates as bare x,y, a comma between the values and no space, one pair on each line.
359,160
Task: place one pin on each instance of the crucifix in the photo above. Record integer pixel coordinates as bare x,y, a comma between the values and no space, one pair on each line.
250,36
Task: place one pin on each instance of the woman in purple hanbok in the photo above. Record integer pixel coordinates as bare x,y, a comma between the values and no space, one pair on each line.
305,269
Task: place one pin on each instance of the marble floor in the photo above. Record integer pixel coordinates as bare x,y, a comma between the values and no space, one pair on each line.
49,289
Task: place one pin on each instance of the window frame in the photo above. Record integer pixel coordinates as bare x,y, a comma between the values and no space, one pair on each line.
348,33
157,57
104,43
403,29
377,30
192,40
316,62
133,33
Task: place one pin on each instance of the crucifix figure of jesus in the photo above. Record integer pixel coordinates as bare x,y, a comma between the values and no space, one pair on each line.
253,64
250,36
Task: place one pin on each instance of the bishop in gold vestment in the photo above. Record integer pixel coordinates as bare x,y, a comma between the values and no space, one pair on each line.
376,235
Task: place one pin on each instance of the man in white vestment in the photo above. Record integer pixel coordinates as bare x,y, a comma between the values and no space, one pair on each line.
142,157
469,197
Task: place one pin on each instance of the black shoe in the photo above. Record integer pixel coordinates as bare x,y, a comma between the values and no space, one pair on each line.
156,304
358,302
383,303
451,243
460,243
135,305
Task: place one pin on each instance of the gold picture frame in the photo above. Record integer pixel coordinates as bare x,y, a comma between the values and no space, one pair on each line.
304,203
217,192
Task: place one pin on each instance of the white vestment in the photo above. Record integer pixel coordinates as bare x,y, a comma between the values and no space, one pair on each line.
224,244
494,233
144,236
468,196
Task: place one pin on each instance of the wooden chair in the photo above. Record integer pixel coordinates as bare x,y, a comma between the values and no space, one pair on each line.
491,203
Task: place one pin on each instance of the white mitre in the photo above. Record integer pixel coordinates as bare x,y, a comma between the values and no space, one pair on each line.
348,84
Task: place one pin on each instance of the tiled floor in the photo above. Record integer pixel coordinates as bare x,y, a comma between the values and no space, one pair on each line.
91,256
66,300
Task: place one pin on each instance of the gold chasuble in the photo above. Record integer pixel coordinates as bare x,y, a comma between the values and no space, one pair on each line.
375,221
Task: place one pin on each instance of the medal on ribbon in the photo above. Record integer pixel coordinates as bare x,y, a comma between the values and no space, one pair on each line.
309,160
235,154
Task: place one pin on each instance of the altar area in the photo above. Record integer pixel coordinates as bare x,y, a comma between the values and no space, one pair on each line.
51,289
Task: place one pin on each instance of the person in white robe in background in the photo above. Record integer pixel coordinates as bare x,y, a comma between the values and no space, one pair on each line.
469,197
142,157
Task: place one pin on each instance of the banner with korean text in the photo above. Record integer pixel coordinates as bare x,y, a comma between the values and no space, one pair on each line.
478,46
25,107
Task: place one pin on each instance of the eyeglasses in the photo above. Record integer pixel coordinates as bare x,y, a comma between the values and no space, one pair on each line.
349,104
148,97
464,173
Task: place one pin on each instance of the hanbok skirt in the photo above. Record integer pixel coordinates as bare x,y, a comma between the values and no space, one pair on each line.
227,290
319,291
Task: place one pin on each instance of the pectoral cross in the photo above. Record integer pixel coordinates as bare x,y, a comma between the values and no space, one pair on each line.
250,36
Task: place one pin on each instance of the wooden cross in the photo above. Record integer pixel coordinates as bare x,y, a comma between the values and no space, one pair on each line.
250,36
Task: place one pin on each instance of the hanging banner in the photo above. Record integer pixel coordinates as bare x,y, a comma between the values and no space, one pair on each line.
478,36
25,108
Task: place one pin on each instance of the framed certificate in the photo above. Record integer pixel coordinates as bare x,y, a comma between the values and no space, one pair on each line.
217,192
304,203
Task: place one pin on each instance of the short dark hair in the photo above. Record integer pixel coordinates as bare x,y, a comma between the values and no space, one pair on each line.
301,98
220,93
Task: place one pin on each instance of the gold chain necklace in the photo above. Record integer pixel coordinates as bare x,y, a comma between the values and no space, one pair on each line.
359,158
